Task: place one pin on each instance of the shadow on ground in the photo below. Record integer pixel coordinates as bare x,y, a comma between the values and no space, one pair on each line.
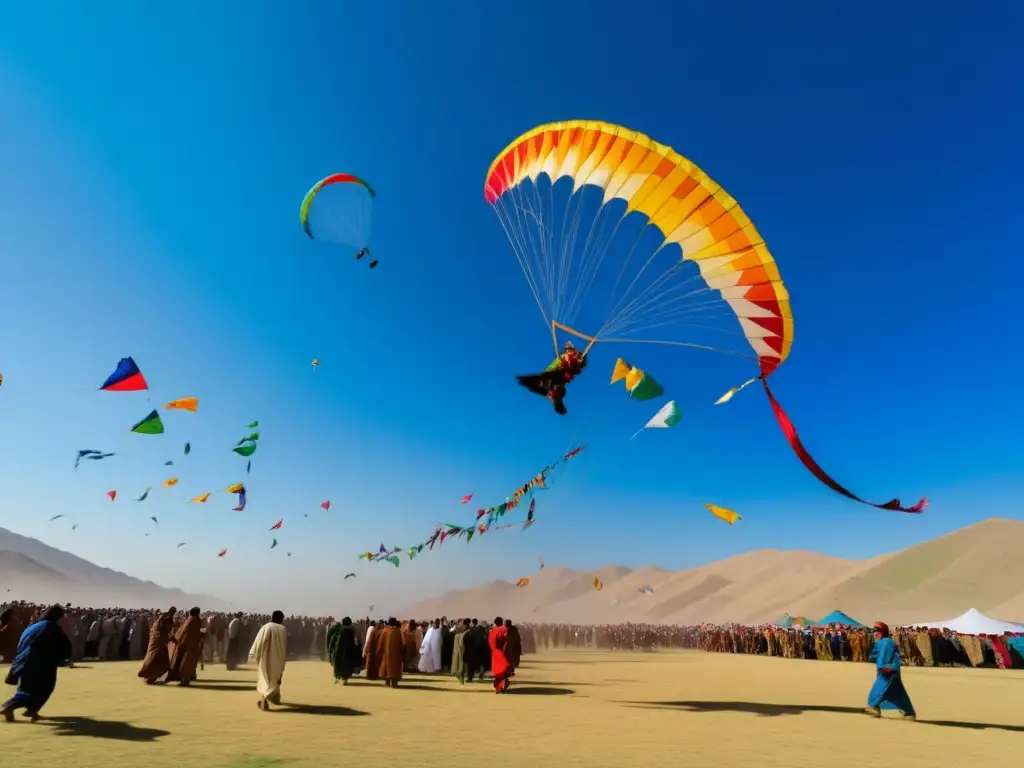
319,710
402,685
537,690
102,729
776,710
236,687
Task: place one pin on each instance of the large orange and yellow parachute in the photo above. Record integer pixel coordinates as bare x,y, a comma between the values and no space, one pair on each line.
587,204
577,194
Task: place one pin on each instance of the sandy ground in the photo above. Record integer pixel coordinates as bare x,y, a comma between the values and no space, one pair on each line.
566,709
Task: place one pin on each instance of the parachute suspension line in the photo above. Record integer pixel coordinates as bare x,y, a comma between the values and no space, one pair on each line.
599,250
570,233
516,239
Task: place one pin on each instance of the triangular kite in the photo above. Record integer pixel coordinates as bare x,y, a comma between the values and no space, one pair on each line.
183,404
722,513
668,416
201,499
126,378
277,526
151,425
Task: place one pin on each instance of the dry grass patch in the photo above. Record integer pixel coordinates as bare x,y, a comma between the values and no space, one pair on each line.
565,709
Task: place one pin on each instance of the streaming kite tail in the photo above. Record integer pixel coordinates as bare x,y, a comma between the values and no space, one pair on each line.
805,458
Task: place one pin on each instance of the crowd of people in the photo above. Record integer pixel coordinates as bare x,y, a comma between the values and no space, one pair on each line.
174,646
36,641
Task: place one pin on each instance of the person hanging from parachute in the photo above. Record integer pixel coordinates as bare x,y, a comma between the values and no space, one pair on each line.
364,252
554,379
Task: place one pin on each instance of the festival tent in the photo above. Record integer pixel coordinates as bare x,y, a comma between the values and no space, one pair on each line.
973,622
837,617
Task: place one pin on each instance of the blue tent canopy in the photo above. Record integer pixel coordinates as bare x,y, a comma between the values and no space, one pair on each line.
838,617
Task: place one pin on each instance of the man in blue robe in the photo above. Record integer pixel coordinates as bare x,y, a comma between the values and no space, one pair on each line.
42,648
888,691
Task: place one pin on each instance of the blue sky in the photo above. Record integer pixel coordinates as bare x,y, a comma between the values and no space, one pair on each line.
154,160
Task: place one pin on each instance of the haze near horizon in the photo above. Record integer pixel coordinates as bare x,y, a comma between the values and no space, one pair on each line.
155,166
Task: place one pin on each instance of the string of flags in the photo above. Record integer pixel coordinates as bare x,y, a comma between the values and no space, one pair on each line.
486,519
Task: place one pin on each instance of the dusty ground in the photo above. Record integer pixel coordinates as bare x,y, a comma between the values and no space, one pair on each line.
566,709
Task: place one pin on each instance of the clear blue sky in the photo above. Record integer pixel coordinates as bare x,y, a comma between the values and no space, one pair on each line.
154,157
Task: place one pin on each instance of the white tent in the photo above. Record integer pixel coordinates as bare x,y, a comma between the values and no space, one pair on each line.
973,622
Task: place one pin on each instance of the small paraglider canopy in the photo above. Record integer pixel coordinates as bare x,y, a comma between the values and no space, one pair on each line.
338,209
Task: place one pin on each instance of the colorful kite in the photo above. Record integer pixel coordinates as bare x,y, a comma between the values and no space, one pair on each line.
668,416
170,481
326,505
245,450
723,514
252,425
126,378
200,499
277,526
222,553
145,494
151,425
598,585
91,455
466,499
183,404
523,582
639,385
112,495
238,488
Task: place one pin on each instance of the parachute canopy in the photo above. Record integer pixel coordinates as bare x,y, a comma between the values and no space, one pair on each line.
338,210
689,270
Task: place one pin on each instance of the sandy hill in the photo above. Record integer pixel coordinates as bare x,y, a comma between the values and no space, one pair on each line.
980,566
40,573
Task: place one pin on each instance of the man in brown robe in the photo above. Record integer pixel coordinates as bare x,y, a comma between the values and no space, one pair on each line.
188,650
158,659
410,648
391,652
11,627
371,651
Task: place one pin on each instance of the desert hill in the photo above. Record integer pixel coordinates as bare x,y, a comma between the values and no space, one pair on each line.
981,566
40,573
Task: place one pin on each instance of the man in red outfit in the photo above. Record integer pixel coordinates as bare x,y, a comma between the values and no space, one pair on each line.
497,640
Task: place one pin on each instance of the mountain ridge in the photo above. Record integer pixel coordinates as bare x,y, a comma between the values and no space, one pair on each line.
938,578
37,572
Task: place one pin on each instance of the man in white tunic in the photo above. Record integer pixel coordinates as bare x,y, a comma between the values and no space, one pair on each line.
270,652
430,649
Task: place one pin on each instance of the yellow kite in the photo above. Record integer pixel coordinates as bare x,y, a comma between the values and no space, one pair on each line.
723,514
201,499
184,404
597,584
169,483
236,488
523,582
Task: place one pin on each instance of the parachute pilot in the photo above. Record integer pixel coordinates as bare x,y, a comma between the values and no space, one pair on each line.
553,380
